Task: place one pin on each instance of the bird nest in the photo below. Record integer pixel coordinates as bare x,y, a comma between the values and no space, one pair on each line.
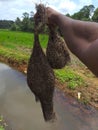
40,75
56,52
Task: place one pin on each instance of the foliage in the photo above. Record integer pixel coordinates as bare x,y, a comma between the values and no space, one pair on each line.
95,15
85,13
26,24
1,123
16,25
67,75
20,39
6,24
18,45
68,15
2,128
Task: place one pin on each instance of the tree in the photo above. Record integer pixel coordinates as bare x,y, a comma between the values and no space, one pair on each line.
95,15
14,27
77,15
68,15
17,24
18,21
6,24
85,13
31,14
87,10
25,22
31,22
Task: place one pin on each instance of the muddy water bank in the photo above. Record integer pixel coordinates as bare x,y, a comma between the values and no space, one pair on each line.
18,106
20,66
88,94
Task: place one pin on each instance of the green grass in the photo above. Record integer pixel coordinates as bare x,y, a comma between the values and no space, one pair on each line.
2,123
2,128
18,45
69,76
12,39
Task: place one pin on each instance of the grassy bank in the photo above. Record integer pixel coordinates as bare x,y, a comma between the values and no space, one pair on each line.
18,45
15,50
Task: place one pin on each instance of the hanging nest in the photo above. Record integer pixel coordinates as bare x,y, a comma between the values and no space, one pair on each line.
57,53
40,76
40,17
41,80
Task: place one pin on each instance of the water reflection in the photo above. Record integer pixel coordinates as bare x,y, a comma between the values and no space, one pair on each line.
18,105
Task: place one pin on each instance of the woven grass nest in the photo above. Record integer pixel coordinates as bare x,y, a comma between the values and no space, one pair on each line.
41,80
57,53
40,75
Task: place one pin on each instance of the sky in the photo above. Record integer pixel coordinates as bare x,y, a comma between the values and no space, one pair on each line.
11,9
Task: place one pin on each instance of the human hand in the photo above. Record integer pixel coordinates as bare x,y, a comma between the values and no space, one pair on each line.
51,15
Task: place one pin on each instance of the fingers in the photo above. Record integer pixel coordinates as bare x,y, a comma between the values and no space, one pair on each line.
50,16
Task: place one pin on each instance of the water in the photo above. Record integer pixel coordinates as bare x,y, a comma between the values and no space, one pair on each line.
18,106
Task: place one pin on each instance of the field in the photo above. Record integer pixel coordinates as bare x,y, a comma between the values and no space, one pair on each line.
17,45
15,50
